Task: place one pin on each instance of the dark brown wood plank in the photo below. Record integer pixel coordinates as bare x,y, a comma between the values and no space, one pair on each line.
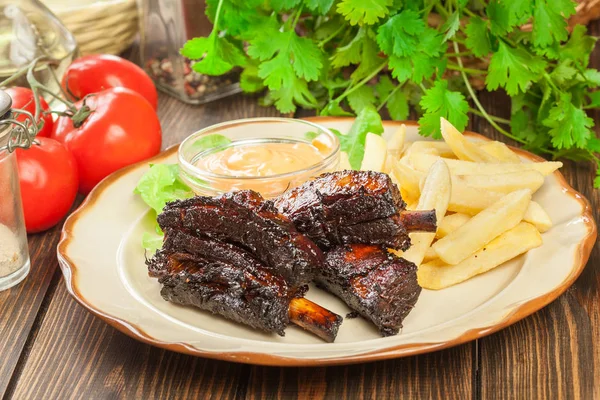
445,374
77,355
23,305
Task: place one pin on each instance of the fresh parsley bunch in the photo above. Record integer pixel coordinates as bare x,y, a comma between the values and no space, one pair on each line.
343,56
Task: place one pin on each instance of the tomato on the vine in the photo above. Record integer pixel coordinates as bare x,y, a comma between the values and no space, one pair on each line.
94,73
121,129
48,179
22,98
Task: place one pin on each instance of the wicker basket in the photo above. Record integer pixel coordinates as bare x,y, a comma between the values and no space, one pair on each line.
99,26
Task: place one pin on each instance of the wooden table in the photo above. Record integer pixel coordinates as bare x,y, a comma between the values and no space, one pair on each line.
51,348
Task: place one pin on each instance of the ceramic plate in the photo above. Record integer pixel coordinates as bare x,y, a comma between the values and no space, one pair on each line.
103,264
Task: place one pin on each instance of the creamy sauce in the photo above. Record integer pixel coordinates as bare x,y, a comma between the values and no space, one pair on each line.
264,159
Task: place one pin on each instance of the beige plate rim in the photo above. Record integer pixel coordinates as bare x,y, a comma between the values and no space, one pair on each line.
69,269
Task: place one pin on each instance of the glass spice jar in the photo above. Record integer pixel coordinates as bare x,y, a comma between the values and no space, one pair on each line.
165,25
14,254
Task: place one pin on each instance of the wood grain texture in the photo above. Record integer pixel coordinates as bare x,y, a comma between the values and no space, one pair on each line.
445,374
22,306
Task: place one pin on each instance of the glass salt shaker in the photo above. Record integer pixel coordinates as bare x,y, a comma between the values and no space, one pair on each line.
14,253
165,25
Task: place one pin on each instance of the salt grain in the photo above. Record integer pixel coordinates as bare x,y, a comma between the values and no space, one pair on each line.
10,259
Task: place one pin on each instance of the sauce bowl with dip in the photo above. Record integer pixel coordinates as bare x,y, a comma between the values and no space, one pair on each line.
268,155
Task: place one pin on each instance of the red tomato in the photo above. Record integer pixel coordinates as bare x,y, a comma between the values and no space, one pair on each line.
23,98
121,129
48,178
94,73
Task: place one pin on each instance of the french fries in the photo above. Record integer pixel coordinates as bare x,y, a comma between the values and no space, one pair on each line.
462,147
375,153
396,142
439,148
538,217
501,216
409,180
435,195
395,148
422,162
450,223
344,161
437,275
500,151
484,188
504,183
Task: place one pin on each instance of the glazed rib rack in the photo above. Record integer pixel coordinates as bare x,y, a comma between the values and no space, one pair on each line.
236,256
354,216
353,207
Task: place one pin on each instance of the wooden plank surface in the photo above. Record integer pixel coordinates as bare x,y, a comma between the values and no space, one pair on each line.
23,306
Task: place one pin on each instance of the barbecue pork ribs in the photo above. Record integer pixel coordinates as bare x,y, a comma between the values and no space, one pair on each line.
236,256
354,216
378,285
349,207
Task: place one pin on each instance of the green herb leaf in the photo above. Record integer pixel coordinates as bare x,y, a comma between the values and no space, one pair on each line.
320,6
478,39
363,12
336,110
570,126
399,35
216,55
451,25
361,98
579,47
351,52
549,23
397,106
160,185
354,142
439,101
513,69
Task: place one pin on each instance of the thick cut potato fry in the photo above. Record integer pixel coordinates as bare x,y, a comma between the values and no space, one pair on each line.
435,195
461,146
396,141
437,275
504,183
375,153
344,161
470,200
430,255
500,151
450,223
439,148
538,217
395,148
408,179
501,216
423,162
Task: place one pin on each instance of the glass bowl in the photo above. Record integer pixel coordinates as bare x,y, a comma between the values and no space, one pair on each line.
256,132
